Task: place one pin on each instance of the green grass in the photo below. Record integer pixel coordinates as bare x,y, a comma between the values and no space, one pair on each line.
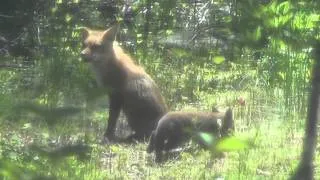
275,140
274,154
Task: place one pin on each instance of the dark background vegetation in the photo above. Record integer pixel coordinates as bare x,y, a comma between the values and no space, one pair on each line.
200,53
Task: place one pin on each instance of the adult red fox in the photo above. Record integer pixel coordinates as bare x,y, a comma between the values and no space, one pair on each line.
174,128
130,88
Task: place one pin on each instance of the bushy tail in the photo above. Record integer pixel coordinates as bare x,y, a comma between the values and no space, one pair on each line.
228,123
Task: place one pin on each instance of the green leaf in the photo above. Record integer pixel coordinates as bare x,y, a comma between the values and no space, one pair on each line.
206,138
169,32
115,148
232,144
68,17
257,33
27,126
282,75
45,135
284,7
54,9
314,17
218,59
184,98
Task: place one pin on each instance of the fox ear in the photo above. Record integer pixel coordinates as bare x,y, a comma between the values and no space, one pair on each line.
85,32
110,34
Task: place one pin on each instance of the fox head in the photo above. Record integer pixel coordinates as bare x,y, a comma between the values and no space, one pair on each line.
98,45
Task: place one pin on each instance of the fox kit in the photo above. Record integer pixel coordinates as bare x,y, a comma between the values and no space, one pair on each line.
174,128
131,89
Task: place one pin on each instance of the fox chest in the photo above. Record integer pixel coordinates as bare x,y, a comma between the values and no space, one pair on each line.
107,76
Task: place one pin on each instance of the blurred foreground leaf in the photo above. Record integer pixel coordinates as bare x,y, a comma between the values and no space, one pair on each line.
232,144
81,151
50,114
206,139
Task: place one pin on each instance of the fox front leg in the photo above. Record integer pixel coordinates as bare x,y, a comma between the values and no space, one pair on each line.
114,111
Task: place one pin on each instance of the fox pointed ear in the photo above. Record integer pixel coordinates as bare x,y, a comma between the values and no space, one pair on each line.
110,34
84,32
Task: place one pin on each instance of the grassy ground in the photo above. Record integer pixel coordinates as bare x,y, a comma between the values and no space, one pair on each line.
274,154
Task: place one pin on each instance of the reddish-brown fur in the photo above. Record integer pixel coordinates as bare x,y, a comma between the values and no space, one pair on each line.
131,89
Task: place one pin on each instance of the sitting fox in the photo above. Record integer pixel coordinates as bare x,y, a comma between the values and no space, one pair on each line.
130,88
174,128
